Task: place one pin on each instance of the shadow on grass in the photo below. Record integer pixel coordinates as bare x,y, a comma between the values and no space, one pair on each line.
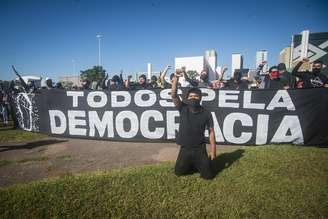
30,145
225,160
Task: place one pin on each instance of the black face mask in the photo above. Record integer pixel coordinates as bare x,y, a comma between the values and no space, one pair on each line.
193,103
316,70
204,77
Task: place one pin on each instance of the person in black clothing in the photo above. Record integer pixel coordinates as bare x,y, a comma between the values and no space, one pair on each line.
153,82
231,84
274,81
85,84
194,119
116,83
243,83
13,91
142,84
311,79
285,75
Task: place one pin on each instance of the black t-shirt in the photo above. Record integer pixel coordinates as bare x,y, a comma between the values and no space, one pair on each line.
243,85
277,83
231,84
192,126
289,78
311,79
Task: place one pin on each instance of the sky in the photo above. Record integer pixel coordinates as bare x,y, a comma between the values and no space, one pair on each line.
58,37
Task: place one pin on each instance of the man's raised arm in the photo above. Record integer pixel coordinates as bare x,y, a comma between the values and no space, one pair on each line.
174,95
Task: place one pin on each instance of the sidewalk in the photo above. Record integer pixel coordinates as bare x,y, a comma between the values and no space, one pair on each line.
25,162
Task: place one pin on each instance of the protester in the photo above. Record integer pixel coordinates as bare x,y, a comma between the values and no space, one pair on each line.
203,79
219,83
194,119
116,83
184,80
311,79
85,84
162,82
274,81
286,76
231,84
243,82
153,82
260,77
49,83
142,83
13,91
59,85
4,107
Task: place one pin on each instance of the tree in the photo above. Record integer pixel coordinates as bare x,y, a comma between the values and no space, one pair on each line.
97,73
192,74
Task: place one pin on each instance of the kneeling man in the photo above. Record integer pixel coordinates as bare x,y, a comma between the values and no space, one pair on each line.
194,119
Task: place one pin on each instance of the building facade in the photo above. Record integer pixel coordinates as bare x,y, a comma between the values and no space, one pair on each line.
236,63
199,63
284,56
262,56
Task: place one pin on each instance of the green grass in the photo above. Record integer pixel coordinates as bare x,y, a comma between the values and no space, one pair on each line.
8,135
266,182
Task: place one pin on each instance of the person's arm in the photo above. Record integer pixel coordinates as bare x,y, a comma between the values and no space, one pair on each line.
192,82
103,82
176,100
127,82
225,68
212,143
295,71
163,74
325,82
259,68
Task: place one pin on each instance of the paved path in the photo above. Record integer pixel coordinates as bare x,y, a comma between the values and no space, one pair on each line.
57,157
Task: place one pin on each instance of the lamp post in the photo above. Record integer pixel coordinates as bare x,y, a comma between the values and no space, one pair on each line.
99,36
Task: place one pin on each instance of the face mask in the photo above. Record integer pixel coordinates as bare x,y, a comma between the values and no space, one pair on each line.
194,103
274,74
203,77
316,70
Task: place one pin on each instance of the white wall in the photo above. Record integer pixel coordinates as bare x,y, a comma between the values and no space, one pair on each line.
195,63
236,62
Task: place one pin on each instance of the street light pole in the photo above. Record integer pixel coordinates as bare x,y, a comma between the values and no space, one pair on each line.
99,51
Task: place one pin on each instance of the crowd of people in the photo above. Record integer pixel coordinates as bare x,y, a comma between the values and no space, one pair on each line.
276,78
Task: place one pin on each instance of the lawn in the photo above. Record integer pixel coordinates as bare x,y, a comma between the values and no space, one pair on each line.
276,181
9,135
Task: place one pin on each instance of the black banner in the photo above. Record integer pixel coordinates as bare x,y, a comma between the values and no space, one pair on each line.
250,117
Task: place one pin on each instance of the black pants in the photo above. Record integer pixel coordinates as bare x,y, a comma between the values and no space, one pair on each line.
191,160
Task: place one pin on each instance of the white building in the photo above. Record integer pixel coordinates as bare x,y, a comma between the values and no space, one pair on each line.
284,56
195,63
262,56
199,63
236,62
